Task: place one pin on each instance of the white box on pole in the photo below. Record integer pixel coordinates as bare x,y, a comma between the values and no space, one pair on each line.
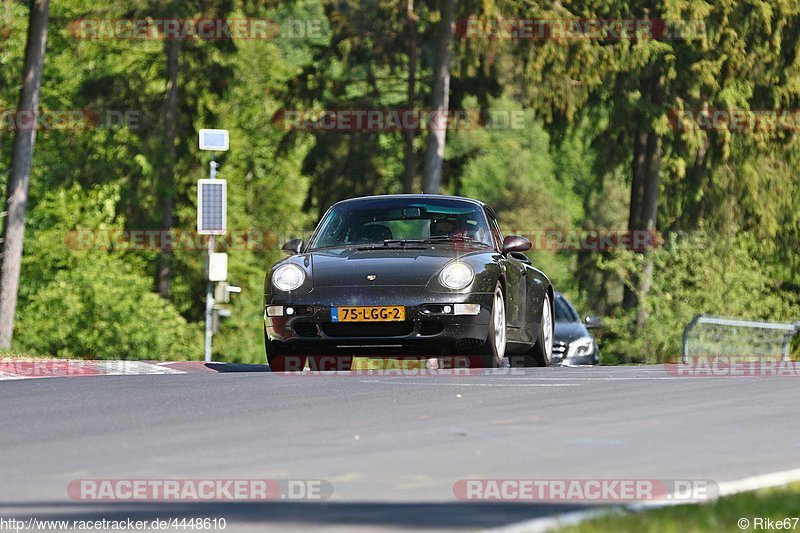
218,267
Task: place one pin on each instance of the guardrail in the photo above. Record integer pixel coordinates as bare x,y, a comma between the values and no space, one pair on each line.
730,337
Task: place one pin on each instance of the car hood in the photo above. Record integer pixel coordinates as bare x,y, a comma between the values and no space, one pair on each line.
351,267
569,331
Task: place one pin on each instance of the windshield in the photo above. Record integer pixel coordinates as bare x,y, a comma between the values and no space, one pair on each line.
564,312
401,221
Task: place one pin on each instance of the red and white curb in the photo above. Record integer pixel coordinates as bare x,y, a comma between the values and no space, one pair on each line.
16,369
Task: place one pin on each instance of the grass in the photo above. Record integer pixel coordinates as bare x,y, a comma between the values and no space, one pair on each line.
720,515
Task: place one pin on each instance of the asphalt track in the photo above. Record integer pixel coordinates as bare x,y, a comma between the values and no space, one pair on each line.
392,447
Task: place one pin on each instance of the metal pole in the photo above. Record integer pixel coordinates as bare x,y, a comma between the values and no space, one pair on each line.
209,287
787,339
209,306
685,338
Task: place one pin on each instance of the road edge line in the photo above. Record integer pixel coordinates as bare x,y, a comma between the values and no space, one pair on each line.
726,488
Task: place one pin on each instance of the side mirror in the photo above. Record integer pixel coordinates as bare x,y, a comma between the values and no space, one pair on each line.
515,243
293,247
593,322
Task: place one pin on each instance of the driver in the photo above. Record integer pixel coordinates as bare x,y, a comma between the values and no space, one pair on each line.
448,227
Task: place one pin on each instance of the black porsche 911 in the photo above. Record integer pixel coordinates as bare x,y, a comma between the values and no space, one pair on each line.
407,275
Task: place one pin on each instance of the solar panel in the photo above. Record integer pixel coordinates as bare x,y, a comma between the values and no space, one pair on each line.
211,204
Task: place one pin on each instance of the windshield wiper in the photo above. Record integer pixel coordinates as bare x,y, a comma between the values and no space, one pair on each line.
403,242
392,244
415,243
455,239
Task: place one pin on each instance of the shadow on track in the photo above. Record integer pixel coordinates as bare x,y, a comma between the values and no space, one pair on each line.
444,515
237,367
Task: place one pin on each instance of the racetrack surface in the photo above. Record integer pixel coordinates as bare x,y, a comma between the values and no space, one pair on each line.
391,446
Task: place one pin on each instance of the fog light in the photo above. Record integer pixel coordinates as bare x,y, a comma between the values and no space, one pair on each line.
290,311
274,310
447,309
468,309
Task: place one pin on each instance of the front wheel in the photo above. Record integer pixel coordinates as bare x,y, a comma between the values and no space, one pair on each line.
494,349
279,360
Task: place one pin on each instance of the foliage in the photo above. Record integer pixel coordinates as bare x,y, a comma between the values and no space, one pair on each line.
694,273
103,310
729,207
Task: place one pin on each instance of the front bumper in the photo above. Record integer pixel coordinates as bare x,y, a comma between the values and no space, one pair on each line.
426,330
560,351
588,360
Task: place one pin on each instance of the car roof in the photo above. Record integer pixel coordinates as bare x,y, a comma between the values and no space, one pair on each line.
412,197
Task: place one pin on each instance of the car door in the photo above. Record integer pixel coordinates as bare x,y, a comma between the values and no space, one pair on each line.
516,285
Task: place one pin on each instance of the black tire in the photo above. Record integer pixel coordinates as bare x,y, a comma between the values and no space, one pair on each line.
490,352
280,360
329,363
542,353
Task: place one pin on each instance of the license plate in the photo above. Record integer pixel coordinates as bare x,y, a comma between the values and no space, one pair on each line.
394,313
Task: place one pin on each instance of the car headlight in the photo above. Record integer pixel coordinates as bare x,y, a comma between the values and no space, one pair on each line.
456,275
288,277
580,347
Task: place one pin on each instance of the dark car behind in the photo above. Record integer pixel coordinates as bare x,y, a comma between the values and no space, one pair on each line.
574,345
